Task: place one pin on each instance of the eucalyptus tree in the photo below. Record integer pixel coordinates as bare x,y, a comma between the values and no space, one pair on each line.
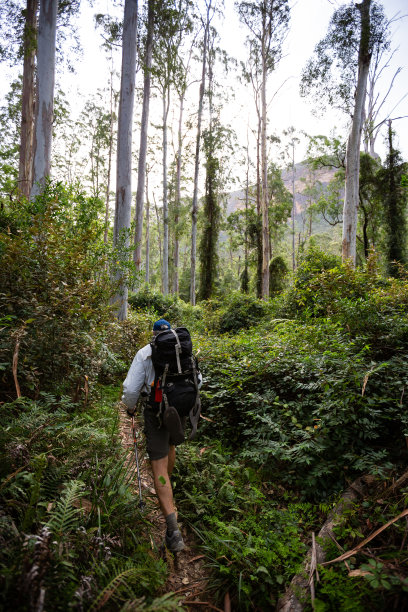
181,84
18,42
290,152
216,139
141,171
174,23
124,148
338,74
267,21
47,31
206,22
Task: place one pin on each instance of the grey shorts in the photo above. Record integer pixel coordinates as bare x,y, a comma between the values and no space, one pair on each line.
158,439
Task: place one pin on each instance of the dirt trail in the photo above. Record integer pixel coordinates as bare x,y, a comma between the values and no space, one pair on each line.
187,574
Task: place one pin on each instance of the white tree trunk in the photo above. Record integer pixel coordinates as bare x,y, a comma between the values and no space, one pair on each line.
178,197
166,105
265,198
47,29
351,196
141,171
27,100
194,212
124,148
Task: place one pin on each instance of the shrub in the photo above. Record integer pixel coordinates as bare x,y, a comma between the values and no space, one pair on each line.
241,312
54,301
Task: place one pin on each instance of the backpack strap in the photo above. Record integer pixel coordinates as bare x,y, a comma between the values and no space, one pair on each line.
162,380
178,351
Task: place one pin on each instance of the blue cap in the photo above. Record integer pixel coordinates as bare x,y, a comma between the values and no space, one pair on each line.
161,325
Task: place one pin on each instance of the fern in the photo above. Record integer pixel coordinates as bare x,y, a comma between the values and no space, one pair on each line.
64,515
166,603
126,582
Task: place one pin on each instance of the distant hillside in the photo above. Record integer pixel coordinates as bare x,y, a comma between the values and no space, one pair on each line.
303,177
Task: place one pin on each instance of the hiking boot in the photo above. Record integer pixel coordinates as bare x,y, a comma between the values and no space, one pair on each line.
174,541
172,423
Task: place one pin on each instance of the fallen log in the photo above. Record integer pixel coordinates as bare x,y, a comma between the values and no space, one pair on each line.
301,588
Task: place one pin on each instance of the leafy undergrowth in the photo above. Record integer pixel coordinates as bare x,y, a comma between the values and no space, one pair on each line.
71,536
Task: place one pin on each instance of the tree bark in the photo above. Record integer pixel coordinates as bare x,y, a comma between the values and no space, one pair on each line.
141,172
351,196
194,212
124,148
298,593
108,178
27,101
264,162
47,29
177,202
165,271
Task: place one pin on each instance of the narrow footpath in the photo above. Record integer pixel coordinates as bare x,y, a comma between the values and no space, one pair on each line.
188,576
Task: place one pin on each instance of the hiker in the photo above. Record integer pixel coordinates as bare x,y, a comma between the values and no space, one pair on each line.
163,426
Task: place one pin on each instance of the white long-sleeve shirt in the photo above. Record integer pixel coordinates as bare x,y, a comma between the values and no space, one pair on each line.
139,378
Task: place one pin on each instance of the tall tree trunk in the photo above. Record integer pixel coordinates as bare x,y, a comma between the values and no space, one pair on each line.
159,235
110,150
194,212
47,29
141,171
124,147
293,208
265,199
147,234
178,197
258,212
351,196
165,271
27,101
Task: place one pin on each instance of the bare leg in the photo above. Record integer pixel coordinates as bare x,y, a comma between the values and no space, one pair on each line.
172,459
160,469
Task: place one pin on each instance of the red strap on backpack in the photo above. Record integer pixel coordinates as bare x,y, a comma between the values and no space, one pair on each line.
158,393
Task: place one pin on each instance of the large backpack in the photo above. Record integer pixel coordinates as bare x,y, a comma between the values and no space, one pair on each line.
176,371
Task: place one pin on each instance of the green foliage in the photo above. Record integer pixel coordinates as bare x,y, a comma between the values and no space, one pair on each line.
253,546
241,311
69,527
175,310
278,271
55,291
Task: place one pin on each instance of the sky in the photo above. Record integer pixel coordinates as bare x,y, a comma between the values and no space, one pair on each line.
309,21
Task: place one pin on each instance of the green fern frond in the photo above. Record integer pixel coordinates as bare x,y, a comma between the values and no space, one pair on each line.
166,603
121,580
65,515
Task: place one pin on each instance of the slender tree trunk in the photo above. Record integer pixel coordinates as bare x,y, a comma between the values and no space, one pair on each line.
293,209
159,236
27,102
124,147
141,171
178,197
194,212
351,196
110,150
165,271
147,237
265,199
258,211
47,29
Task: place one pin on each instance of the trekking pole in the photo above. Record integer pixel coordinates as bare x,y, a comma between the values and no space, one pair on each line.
141,502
